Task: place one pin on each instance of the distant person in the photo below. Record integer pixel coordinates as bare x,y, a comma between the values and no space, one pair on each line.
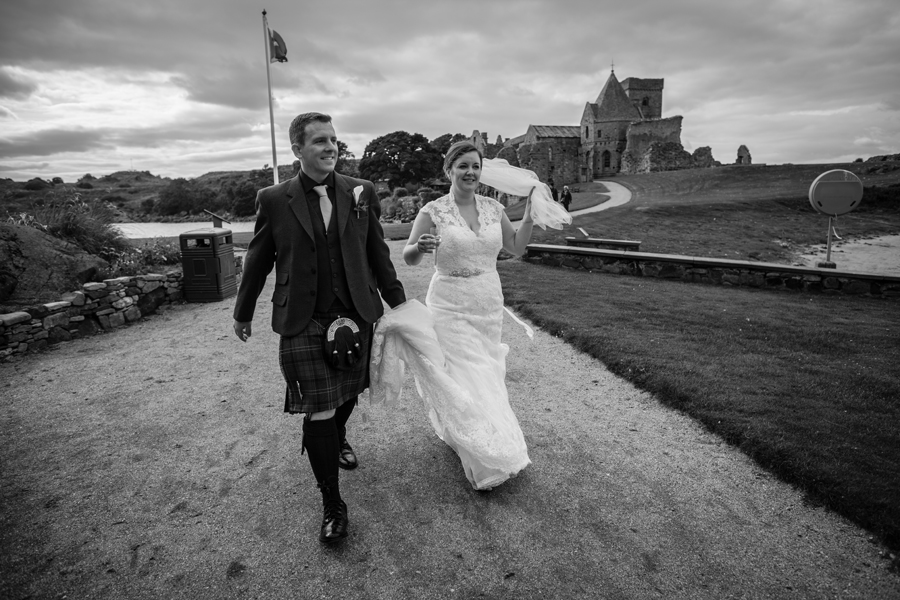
554,192
566,197
320,230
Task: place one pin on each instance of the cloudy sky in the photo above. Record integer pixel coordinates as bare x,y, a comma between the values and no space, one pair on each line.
179,87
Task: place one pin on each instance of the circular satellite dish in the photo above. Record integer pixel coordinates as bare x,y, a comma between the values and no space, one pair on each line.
835,192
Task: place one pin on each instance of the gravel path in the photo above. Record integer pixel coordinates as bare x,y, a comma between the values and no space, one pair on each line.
155,462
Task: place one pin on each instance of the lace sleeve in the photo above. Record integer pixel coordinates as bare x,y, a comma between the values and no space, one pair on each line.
438,211
494,208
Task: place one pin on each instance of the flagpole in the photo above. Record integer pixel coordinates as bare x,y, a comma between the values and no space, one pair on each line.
269,84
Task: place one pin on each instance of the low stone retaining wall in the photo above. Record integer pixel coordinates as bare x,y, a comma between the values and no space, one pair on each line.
94,308
715,271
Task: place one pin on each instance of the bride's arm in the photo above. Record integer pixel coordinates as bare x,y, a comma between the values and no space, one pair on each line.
515,241
420,241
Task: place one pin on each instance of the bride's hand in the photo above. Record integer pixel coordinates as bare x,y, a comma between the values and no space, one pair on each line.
428,243
526,216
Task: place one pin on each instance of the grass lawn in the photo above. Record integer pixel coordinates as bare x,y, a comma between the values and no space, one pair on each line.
743,213
807,385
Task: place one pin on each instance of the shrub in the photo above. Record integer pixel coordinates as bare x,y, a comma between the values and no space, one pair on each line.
400,192
148,205
409,208
382,194
131,260
84,185
175,198
88,225
87,177
124,185
36,184
243,202
390,208
429,197
57,180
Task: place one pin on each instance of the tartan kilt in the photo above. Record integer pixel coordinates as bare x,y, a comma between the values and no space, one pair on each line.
312,385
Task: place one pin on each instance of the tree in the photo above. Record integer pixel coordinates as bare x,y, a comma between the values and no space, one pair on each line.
344,155
442,143
243,202
400,158
175,198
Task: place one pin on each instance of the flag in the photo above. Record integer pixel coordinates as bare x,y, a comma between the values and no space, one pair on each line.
277,47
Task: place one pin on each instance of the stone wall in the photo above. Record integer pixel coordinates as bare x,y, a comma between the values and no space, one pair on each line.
715,271
94,308
643,133
555,159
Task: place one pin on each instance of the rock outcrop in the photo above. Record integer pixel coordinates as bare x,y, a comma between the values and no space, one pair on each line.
36,267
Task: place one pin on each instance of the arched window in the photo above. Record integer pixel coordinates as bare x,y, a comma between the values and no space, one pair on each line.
645,101
606,159
587,132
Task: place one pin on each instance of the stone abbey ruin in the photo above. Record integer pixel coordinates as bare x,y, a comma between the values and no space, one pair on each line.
622,131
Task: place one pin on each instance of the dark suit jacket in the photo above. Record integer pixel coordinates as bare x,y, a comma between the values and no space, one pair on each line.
283,238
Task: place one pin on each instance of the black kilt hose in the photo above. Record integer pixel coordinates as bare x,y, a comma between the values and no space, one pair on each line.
312,384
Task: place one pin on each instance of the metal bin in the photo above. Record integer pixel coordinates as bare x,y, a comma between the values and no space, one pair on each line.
207,260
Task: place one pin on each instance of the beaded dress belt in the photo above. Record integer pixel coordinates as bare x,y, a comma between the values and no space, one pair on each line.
465,272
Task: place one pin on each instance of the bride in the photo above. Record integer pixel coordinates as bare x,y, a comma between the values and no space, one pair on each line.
453,346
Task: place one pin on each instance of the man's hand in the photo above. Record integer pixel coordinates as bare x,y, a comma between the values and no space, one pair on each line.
242,330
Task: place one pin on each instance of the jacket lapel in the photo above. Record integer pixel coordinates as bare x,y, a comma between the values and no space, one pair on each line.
298,204
343,199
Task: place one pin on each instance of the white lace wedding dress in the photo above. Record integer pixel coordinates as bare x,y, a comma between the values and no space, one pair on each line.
453,348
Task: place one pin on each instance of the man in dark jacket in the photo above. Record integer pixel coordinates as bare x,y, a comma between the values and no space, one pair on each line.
321,233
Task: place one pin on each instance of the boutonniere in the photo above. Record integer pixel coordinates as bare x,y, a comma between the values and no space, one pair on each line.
358,201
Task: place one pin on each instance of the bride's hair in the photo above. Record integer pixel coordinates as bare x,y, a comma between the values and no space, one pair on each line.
457,150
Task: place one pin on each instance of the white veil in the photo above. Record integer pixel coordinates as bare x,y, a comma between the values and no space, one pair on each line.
502,176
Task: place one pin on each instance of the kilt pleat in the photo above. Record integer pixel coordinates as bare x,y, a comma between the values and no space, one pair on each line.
312,385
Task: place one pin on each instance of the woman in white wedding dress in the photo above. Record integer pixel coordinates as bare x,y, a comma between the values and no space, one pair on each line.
467,400
452,346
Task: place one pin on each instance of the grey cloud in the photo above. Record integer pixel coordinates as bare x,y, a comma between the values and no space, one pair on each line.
52,141
15,87
5,113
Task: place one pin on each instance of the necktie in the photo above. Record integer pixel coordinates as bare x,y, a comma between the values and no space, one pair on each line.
324,203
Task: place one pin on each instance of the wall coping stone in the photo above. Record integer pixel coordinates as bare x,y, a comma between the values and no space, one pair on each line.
709,262
54,306
10,319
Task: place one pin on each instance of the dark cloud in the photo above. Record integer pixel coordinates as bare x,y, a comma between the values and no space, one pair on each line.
15,86
47,142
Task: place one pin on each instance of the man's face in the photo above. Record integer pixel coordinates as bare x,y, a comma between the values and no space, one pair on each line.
319,152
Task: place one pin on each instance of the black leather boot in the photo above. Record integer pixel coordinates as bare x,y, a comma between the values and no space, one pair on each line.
322,448
334,518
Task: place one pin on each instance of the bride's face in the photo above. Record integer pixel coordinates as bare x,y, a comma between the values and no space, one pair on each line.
466,172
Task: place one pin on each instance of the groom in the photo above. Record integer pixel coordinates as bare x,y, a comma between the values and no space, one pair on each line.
321,232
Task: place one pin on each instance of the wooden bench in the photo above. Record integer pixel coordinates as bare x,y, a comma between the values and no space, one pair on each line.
602,243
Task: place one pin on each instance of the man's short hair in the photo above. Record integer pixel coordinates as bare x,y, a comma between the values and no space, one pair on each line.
298,126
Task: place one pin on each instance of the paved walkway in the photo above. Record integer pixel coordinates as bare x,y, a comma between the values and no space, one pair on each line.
155,462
